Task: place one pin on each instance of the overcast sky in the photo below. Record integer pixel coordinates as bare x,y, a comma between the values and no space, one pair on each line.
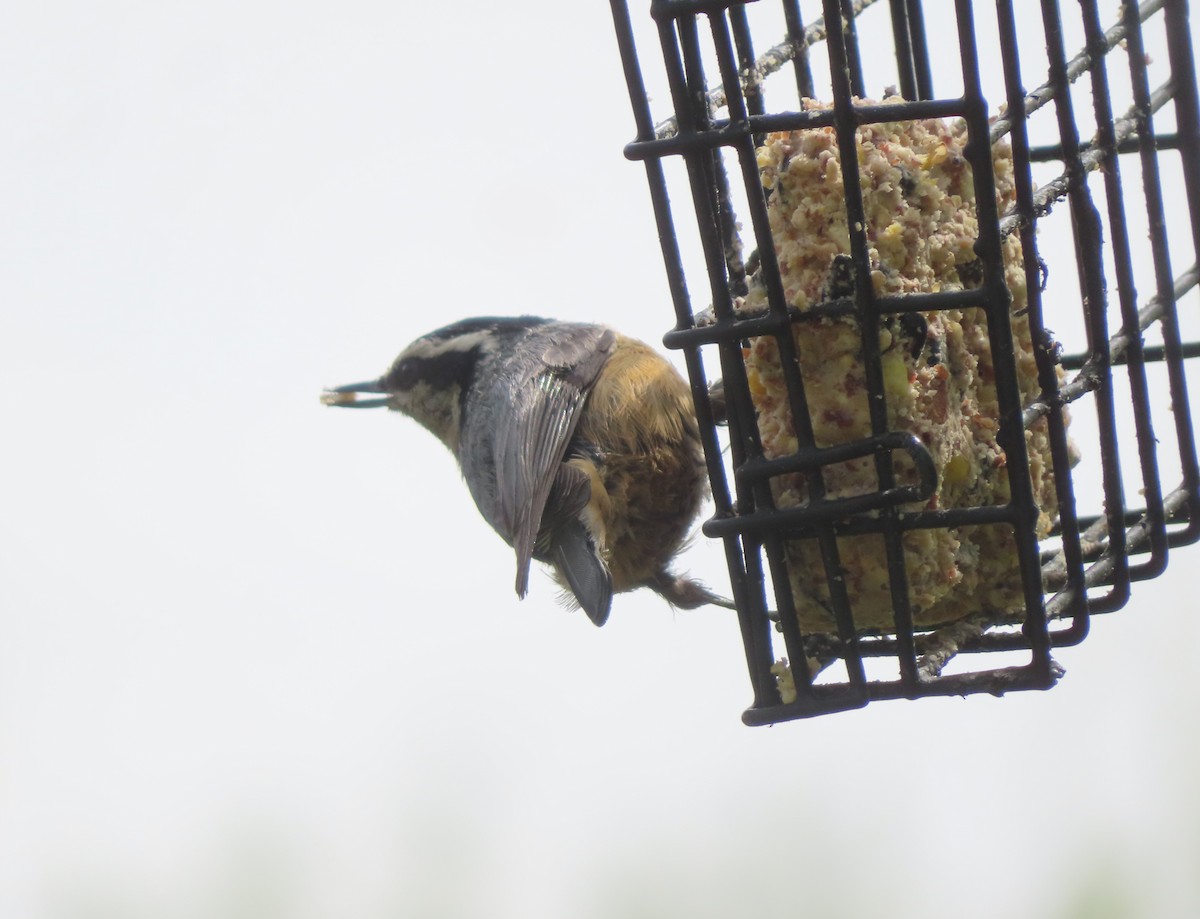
262,659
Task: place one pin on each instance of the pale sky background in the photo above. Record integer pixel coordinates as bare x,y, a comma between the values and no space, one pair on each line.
262,659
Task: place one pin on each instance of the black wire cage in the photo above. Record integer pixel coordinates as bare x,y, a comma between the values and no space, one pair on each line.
1105,180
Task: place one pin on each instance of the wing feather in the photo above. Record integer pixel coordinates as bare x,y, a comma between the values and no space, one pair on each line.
556,365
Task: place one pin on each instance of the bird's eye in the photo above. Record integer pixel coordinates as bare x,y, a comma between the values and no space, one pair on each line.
403,376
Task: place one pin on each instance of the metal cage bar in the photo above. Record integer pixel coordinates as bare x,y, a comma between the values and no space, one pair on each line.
724,101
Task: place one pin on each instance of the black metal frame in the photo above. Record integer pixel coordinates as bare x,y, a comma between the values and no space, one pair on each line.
1088,564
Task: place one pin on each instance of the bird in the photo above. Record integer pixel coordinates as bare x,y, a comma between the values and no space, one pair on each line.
578,444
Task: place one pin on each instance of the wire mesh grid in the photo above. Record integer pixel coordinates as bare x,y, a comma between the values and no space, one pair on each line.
1105,154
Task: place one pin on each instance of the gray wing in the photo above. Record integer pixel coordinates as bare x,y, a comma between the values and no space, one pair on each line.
561,363
566,543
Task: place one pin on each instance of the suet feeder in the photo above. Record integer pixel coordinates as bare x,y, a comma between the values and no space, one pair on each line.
1067,325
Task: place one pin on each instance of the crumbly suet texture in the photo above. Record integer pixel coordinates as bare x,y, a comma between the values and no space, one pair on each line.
937,367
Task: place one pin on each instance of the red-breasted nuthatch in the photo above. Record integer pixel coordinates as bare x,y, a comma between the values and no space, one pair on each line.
579,445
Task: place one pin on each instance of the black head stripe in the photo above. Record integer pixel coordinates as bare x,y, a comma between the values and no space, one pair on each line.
477,324
445,370
447,358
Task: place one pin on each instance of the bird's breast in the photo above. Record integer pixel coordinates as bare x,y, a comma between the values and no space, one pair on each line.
640,421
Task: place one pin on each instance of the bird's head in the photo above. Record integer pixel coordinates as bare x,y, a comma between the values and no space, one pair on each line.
431,377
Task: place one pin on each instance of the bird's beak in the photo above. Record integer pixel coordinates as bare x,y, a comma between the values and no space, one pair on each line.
347,396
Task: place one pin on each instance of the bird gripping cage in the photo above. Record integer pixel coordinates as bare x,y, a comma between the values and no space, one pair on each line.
1065,424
